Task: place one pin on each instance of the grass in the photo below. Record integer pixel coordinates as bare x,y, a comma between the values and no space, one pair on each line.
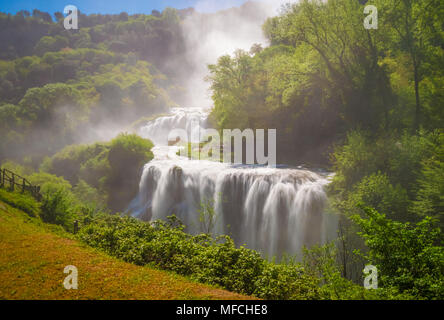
22,201
33,255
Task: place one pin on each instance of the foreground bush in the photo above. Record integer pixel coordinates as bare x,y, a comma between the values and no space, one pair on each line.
106,173
409,257
165,245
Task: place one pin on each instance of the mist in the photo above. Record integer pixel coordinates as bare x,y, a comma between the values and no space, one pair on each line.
206,37
179,55
210,36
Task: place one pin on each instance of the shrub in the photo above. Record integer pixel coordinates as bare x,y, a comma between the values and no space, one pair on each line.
22,201
112,168
57,206
377,192
398,157
69,163
409,257
165,245
89,195
430,196
127,155
286,281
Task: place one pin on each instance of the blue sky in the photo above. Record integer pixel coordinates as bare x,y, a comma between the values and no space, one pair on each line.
113,6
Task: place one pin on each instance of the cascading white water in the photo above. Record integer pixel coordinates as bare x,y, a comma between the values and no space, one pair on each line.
180,118
272,210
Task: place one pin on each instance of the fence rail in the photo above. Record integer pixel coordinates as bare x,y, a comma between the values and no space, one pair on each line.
13,181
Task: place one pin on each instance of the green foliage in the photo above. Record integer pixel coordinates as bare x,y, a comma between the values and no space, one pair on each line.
89,195
56,114
47,182
215,261
207,216
164,244
408,257
324,75
9,123
58,204
281,281
22,201
75,162
400,157
127,155
24,35
56,85
414,31
382,172
323,81
321,263
61,204
103,173
129,150
354,160
399,176
9,117
47,44
38,104
21,170
430,196
377,192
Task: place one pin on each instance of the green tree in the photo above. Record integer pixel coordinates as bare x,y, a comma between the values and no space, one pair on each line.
47,44
127,155
207,216
416,31
430,195
408,257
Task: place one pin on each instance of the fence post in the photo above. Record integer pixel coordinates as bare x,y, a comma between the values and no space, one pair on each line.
37,193
76,226
35,190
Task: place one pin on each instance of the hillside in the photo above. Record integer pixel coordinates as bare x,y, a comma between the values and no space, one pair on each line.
34,254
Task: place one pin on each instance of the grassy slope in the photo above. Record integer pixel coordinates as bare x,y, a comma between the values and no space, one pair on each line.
33,256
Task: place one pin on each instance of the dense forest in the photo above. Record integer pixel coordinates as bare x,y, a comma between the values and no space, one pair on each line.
369,103
365,104
56,85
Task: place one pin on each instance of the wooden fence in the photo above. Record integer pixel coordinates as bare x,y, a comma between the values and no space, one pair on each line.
13,181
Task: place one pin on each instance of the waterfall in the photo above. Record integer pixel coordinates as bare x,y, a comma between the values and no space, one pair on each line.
272,210
180,118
